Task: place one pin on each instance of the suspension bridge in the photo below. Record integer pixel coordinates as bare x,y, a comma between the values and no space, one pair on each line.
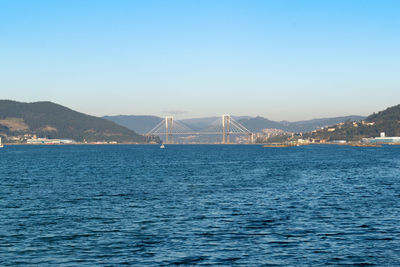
225,127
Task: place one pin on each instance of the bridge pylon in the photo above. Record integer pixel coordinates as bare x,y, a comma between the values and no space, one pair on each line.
169,123
226,122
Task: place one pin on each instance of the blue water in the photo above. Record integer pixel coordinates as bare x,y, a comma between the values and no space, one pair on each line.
216,205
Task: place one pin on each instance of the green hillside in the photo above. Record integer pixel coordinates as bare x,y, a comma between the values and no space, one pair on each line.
46,119
387,121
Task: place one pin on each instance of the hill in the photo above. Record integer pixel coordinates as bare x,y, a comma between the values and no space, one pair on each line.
47,119
258,123
311,125
387,121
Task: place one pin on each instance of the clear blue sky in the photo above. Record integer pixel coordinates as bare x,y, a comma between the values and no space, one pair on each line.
287,60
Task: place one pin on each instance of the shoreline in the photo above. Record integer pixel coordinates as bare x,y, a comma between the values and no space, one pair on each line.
218,144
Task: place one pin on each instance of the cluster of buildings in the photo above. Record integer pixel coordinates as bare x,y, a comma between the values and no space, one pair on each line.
46,141
32,139
382,139
267,133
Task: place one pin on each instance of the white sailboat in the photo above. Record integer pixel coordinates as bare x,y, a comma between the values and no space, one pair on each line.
1,145
162,146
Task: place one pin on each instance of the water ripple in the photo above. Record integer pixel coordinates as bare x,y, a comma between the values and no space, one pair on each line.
199,205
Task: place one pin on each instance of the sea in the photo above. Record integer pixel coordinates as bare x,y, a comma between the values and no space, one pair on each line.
206,205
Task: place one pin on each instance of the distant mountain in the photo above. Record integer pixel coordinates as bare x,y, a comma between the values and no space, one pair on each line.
202,123
387,121
311,125
199,123
50,120
143,124
137,123
258,123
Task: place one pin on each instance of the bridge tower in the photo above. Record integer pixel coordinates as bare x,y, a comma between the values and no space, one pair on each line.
226,124
169,123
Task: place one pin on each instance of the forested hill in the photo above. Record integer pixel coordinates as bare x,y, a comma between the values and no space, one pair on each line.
389,115
47,119
387,121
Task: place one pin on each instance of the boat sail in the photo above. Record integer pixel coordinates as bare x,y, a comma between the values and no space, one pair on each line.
1,145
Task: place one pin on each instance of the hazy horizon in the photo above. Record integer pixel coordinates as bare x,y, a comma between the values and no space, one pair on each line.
186,116
282,60
233,115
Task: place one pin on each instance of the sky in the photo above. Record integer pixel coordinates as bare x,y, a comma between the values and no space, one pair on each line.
283,60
